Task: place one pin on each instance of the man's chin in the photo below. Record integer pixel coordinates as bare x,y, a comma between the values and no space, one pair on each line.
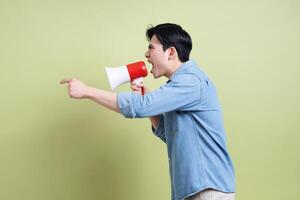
155,77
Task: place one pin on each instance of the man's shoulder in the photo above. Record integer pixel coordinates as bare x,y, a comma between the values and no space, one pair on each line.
186,77
191,73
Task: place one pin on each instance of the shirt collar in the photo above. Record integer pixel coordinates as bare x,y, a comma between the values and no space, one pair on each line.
185,66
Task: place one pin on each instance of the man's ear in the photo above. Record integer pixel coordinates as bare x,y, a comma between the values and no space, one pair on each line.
172,53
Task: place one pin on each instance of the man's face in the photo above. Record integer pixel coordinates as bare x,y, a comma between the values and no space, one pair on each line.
157,57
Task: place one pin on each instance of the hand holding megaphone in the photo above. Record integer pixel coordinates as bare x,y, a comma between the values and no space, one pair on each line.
138,88
133,72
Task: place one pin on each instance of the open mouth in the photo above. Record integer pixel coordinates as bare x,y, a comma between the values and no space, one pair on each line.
152,69
151,65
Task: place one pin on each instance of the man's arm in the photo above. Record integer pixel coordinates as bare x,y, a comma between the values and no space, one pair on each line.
154,121
181,93
79,90
104,98
137,88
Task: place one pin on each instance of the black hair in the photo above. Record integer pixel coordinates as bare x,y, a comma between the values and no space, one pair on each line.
172,35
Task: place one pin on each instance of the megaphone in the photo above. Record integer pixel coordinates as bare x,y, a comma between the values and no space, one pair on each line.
131,72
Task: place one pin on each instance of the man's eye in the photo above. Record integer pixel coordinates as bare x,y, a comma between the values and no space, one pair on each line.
150,47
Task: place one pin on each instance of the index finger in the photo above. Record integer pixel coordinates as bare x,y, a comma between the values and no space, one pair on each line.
66,80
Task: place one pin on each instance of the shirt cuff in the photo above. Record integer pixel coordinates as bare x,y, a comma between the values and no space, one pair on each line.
124,101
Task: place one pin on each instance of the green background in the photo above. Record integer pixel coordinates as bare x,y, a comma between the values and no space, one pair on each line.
54,147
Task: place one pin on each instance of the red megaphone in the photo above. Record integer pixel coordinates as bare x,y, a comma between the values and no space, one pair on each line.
123,74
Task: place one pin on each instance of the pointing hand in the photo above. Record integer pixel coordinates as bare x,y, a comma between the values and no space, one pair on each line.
76,88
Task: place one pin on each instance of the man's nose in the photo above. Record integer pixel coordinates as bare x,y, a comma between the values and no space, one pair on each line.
147,54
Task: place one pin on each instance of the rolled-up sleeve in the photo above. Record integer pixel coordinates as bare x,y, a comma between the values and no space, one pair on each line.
160,129
124,102
182,93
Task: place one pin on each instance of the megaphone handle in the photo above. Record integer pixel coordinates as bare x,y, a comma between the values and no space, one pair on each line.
138,81
143,90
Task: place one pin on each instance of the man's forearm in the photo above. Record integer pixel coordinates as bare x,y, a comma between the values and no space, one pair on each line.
109,100
154,121
104,98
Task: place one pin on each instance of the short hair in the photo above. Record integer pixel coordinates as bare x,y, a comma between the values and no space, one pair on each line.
172,35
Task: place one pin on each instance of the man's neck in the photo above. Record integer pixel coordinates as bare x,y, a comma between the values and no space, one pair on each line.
174,68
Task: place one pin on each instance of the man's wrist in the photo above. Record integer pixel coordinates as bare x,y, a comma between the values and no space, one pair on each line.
88,92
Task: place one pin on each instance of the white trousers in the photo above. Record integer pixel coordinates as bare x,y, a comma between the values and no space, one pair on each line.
210,194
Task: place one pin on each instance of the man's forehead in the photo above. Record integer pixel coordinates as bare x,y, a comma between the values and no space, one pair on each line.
154,40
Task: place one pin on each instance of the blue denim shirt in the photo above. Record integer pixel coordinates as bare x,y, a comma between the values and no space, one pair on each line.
191,125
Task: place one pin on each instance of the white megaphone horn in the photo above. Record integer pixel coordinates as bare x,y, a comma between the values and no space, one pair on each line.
123,74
